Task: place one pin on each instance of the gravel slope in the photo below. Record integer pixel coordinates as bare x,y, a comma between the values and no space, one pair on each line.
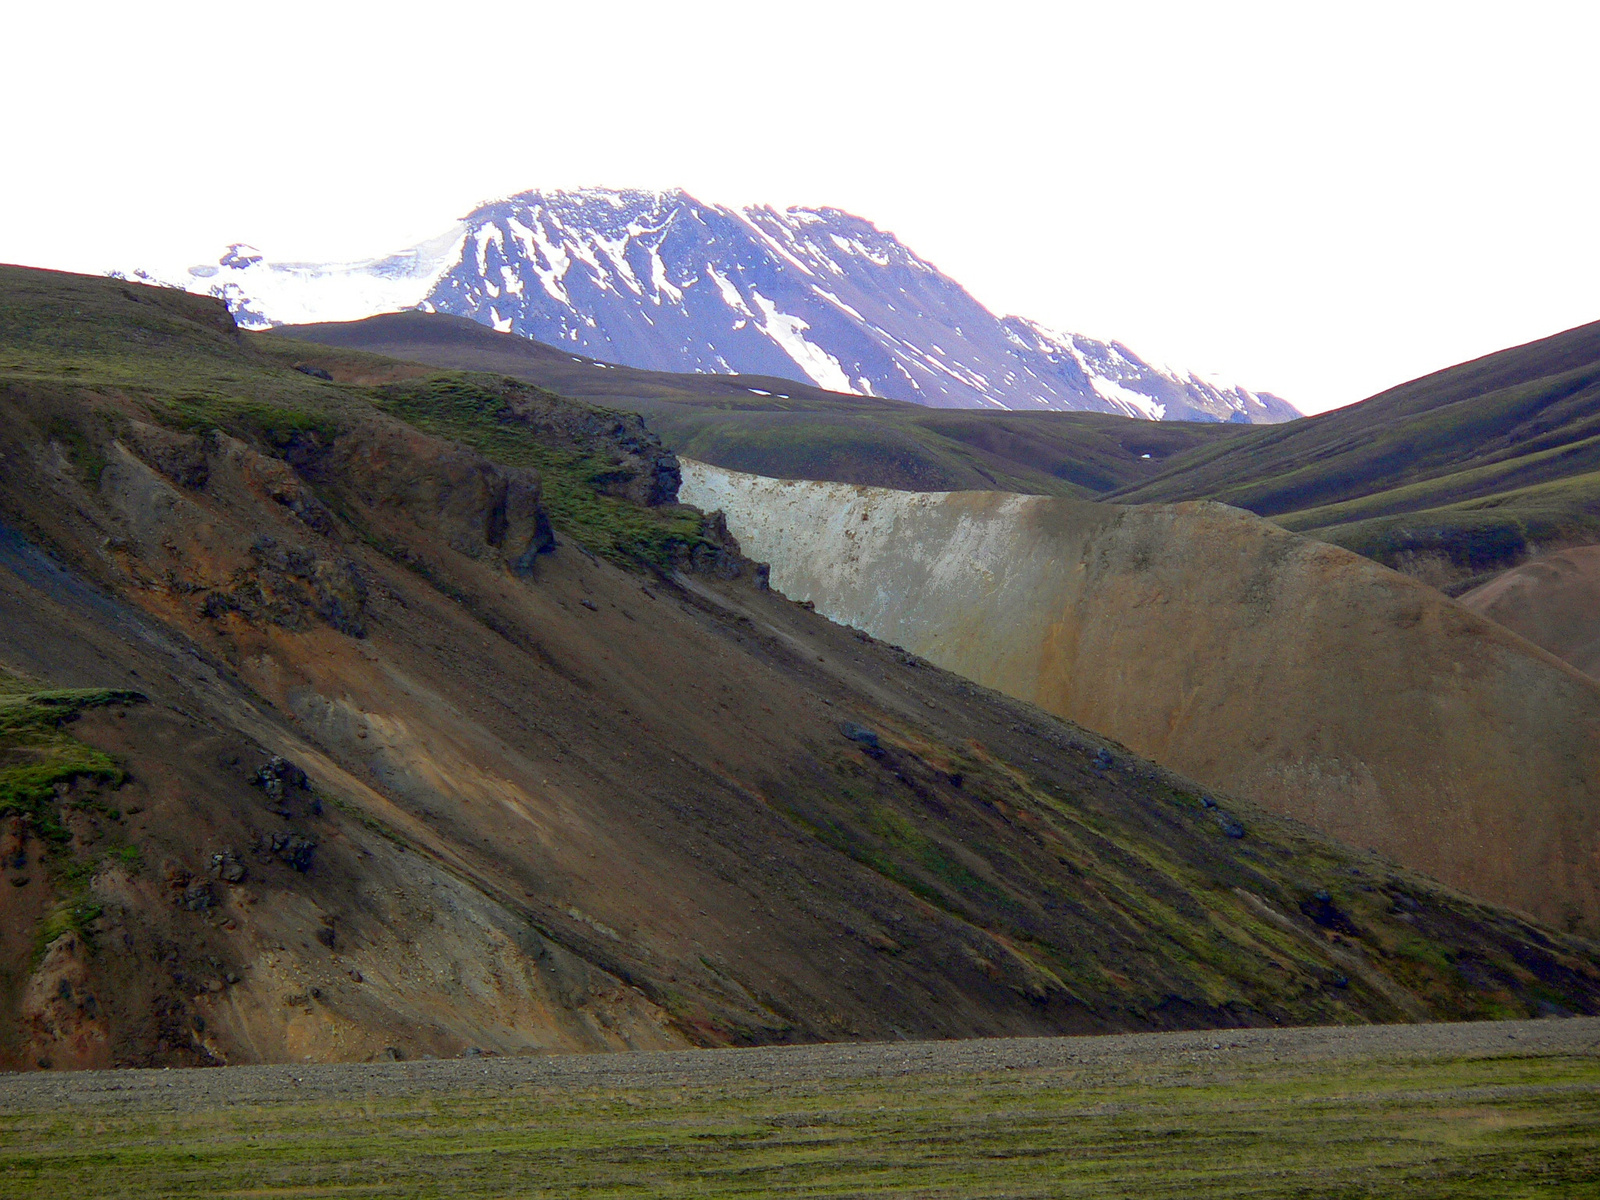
1137,1057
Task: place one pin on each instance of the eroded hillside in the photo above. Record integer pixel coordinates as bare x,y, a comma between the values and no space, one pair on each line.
411,716
1275,667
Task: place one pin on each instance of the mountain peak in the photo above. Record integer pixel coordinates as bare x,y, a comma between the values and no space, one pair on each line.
661,280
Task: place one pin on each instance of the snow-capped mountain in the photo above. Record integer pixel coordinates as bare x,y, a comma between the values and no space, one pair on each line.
662,281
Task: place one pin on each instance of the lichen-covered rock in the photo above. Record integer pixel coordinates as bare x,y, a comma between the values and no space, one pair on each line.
225,865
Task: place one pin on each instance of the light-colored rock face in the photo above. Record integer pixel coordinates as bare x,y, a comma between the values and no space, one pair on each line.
1257,661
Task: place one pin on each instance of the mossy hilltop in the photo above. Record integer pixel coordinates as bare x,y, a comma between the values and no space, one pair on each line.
1452,476
186,366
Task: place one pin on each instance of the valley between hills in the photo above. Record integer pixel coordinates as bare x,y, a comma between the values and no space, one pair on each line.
367,701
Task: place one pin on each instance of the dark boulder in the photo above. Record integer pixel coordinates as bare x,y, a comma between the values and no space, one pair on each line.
279,777
1322,911
859,733
295,850
1227,823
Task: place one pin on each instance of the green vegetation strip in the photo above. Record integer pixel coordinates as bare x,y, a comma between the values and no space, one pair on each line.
1502,1127
463,409
36,753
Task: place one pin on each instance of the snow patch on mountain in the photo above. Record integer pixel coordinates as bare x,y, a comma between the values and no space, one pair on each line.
262,293
663,281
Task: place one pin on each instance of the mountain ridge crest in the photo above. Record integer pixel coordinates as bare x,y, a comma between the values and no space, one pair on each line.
663,281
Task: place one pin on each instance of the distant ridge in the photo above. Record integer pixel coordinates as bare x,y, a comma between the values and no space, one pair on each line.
773,426
1450,477
662,281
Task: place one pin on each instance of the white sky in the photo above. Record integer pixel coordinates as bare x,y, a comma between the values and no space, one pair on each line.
1315,199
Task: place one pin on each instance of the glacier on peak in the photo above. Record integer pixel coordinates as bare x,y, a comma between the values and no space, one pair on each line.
661,280
262,293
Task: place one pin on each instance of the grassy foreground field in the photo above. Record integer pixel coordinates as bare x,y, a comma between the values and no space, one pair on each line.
1503,1109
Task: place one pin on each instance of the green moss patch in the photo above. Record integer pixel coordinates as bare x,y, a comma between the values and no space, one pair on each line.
478,413
37,753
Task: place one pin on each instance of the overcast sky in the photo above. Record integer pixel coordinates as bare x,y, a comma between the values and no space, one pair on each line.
1317,200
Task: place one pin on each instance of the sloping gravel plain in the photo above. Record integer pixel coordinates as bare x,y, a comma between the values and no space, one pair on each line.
1142,1056
1430,1112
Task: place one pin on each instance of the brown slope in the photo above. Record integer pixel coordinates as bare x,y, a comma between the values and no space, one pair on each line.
582,805
1553,601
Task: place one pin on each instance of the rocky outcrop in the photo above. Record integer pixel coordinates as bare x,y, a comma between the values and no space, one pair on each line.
634,464
479,508
1254,660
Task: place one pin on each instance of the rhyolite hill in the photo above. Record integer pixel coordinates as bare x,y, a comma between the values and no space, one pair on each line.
1313,681
362,710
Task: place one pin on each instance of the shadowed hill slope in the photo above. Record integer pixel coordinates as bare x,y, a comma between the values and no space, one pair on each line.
1450,476
313,744
1254,660
778,427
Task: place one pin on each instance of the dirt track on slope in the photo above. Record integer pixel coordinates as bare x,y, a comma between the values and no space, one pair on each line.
1139,1057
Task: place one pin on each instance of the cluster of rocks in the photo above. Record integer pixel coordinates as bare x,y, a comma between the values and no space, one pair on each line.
717,552
225,865
283,782
294,849
188,892
292,587
277,775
